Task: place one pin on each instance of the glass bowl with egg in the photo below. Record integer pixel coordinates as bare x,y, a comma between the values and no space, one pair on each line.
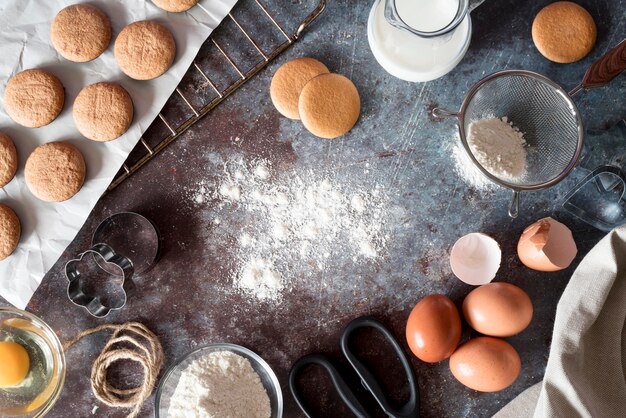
217,380
33,365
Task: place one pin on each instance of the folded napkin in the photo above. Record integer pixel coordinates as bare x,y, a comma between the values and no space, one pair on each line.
586,371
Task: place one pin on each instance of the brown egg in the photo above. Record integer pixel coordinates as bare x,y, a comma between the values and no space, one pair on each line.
486,364
498,309
434,328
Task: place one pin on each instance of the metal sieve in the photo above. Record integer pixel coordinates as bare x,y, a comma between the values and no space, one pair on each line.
543,111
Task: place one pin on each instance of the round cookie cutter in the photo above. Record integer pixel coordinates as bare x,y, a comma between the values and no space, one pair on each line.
134,236
100,278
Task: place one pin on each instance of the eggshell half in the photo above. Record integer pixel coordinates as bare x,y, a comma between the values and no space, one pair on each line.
433,329
498,309
547,245
475,258
486,364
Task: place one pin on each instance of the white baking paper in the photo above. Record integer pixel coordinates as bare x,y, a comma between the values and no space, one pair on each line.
48,228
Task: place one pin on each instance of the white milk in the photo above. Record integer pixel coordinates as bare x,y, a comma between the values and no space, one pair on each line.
427,15
411,57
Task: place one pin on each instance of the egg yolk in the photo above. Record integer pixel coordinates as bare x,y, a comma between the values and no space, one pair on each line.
14,364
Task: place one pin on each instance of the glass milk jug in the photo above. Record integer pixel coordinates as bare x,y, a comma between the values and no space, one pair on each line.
420,40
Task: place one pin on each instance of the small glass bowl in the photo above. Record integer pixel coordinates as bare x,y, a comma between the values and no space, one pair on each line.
39,391
169,381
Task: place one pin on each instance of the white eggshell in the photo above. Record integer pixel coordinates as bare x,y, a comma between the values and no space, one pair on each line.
547,245
475,258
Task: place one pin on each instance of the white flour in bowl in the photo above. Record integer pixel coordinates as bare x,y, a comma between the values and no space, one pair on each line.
219,385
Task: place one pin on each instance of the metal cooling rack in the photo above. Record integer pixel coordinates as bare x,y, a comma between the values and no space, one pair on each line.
232,48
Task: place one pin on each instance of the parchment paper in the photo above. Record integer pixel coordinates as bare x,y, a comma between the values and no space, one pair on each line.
48,228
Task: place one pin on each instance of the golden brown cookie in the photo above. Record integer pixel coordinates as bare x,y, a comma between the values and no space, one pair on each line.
329,105
55,171
103,111
33,98
144,50
10,231
175,5
288,82
8,159
80,32
564,32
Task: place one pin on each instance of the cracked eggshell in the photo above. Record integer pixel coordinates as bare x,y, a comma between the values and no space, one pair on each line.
547,245
475,258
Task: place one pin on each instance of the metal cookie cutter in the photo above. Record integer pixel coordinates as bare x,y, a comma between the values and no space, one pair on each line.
100,278
599,199
94,304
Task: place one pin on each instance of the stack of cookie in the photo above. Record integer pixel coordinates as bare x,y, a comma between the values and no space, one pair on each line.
55,171
304,89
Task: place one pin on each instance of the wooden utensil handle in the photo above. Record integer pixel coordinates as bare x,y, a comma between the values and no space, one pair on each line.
609,66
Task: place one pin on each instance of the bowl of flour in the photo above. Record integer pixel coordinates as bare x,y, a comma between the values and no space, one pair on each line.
219,381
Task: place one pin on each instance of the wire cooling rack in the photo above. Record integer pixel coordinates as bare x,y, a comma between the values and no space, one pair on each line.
251,36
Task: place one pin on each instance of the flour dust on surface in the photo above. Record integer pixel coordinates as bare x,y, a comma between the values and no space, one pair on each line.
467,170
290,224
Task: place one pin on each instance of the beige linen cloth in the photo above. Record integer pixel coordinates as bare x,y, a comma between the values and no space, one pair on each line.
585,375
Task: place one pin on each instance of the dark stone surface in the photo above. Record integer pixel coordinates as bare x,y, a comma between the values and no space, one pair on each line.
186,299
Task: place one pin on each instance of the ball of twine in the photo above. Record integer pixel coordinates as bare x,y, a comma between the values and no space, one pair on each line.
148,353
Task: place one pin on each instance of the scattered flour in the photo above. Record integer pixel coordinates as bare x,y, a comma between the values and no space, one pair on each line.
291,224
259,276
220,384
468,171
498,146
261,172
357,203
230,191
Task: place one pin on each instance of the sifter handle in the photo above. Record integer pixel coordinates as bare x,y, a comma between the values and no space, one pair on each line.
605,69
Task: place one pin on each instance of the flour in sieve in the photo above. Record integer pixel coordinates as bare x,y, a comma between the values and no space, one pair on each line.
219,384
292,223
498,146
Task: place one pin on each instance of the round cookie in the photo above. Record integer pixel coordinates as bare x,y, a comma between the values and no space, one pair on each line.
329,105
144,50
8,159
288,82
10,231
80,32
175,5
33,98
103,111
564,32
55,171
